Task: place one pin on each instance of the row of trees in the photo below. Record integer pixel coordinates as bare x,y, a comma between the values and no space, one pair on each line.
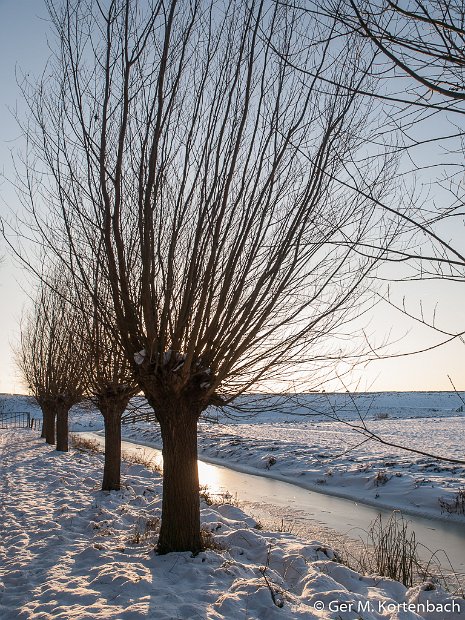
189,182
67,353
214,182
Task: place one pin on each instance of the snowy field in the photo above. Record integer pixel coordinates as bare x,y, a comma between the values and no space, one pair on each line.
71,551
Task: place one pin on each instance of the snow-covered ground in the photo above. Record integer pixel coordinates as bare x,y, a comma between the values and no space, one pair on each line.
71,551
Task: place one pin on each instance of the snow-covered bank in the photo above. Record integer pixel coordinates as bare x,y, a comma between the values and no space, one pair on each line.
331,458
71,551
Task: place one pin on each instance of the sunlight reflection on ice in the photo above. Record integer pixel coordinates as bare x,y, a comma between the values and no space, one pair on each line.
209,476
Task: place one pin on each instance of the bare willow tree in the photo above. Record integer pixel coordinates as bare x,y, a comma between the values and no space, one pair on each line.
51,360
174,138
109,378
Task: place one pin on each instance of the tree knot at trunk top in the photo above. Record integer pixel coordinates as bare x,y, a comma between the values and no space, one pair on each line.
172,376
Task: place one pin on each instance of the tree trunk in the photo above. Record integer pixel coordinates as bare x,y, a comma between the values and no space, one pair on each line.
112,467
48,424
62,428
180,527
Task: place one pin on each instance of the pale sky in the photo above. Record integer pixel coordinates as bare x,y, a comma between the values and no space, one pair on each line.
23,32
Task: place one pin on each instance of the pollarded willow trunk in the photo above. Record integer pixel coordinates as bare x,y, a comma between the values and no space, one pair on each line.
112,413
180,528
62,427
48,423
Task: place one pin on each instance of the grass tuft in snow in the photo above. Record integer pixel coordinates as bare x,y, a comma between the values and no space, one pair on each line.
142,458
216,499
287,527
391,550
84,444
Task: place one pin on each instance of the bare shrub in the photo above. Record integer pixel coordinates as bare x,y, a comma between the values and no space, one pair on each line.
276,592
283,526
381,478
145,531
209,542
456,505
270,462
391,550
